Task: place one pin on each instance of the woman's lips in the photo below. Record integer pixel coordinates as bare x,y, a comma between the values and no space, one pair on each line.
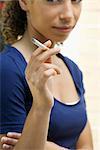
63,29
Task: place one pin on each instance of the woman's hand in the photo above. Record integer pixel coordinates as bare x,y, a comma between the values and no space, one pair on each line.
8,142
38,71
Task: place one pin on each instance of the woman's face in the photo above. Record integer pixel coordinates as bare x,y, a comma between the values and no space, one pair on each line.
52,19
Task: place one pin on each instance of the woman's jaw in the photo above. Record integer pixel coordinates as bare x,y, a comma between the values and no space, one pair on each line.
56,36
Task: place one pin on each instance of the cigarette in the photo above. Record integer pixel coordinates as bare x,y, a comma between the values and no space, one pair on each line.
39,44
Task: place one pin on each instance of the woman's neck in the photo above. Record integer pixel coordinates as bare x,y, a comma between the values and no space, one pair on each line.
26,40
25,46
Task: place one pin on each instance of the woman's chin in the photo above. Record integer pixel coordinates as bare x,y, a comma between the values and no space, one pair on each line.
59,39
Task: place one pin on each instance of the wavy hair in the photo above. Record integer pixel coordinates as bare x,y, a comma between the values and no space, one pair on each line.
13,23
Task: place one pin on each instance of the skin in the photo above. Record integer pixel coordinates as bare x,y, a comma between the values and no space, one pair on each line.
40,68
56,16
84,142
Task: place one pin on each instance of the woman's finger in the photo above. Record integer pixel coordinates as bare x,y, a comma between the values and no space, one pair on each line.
40,50
14,135
7,147
9,141
46,66
47,54
36,53
43,57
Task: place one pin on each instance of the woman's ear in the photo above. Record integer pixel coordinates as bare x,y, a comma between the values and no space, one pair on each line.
23,5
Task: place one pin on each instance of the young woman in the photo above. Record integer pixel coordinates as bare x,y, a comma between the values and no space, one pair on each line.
42,92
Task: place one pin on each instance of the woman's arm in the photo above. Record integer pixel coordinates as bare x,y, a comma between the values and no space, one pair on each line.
38,71
9,141
35,130
85,140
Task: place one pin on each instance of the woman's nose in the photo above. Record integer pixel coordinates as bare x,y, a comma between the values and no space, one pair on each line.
67,11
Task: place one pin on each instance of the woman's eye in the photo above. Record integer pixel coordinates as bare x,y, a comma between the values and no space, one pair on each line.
59,1
55,1
76,1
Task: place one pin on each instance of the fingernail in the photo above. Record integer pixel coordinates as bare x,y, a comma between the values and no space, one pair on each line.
9,133
48,42
5,146
3,139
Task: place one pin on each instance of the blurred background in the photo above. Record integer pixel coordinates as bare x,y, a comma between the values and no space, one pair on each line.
83,46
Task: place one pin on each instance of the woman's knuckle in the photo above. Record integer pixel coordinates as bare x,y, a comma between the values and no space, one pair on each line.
44,65
45,74
5,139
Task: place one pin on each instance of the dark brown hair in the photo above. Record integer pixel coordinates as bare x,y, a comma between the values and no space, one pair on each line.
13,23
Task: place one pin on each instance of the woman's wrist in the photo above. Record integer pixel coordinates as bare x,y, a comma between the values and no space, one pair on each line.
40,108
40,104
